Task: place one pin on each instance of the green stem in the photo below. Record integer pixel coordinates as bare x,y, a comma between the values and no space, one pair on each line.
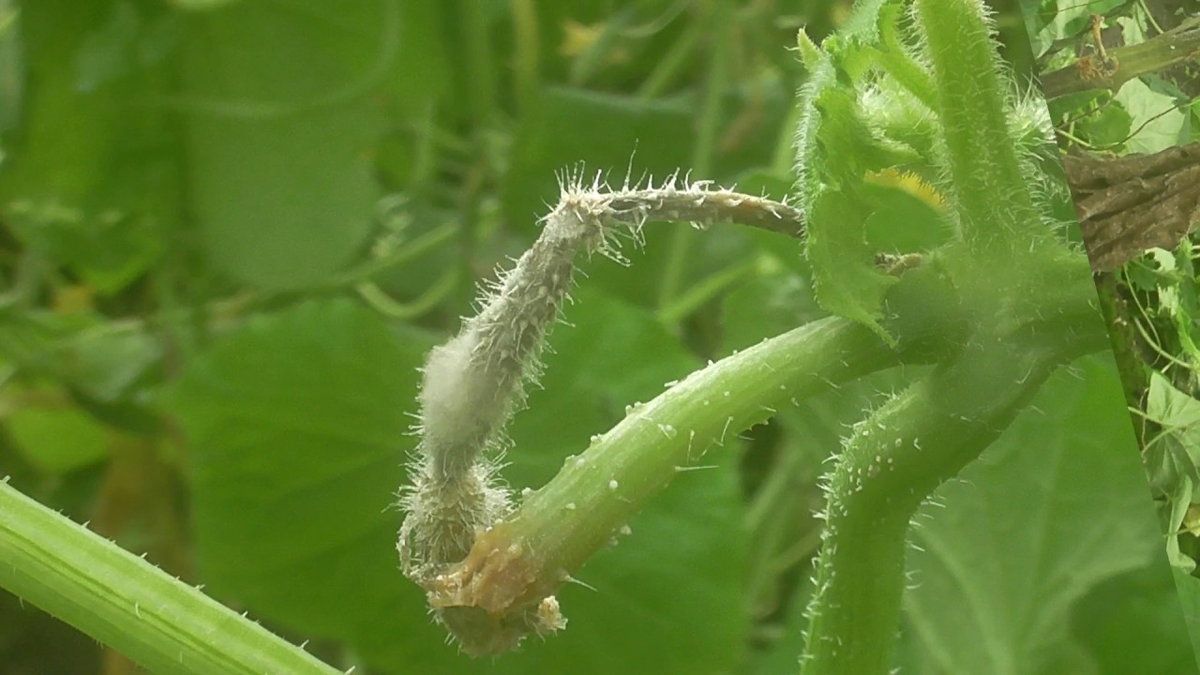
379,300
773,521
557,528
123,601
995,209
898,456
668,68
404,254
893,462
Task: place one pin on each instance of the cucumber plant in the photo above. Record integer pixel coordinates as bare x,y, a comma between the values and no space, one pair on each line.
1000,302
908,93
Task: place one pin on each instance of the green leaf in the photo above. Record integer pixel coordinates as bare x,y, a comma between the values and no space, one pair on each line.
98,359
1132,623
1173,458
106,360
11,53
297,426
908,216
88,184
1068,107
775,300
57,439
202,5
1068,18
1109,125
1037,14
836,150
278,142
1177,413
297,429
1056,506
1155,119
847,281
104,55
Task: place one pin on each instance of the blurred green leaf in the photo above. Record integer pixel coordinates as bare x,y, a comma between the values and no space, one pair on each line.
1132,623
88,184
607,133
907,217
99,359
107,360
202,5
1172,458
1178,413
12,62
297,431
278,141
775,300
57,439
1066,18
107,53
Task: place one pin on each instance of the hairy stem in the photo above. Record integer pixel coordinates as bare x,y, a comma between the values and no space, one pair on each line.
988,184
891,463
557,528
129,604
1025,295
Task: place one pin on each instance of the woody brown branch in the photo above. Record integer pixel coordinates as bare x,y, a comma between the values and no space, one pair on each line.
1129,204
1094,73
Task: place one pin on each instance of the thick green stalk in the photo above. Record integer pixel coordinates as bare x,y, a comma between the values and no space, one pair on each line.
522,560
1030,303
123,601
988,184
891,463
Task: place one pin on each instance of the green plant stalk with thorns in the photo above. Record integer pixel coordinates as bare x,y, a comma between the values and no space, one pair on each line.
996,309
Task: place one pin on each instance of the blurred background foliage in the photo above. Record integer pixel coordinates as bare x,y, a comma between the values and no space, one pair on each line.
230,230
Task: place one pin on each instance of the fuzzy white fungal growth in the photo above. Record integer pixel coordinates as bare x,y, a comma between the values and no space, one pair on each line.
472,384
